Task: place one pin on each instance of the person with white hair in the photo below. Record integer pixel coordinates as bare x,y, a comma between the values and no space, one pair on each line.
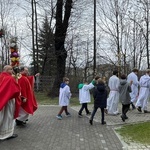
9,106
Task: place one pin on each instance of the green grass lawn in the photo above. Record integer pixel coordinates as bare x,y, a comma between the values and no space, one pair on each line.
43,99
139,133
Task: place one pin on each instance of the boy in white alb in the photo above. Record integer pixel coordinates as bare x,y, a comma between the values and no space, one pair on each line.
64,98
84,96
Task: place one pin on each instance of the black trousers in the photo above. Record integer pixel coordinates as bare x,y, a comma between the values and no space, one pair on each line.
125,109
94,112
63,108
84,106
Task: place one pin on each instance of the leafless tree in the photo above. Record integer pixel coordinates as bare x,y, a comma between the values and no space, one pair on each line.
144,8
6,12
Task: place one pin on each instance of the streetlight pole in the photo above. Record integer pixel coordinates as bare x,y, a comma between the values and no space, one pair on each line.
94,57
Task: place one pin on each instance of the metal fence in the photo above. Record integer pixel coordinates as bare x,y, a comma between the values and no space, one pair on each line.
43,83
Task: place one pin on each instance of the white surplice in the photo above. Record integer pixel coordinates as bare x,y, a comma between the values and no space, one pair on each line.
113,99
7,120
23,115
64,96
134,87
84,93
144,92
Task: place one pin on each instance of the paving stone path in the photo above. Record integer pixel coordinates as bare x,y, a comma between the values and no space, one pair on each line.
44,132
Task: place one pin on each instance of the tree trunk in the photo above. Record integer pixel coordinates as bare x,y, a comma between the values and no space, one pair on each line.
60,35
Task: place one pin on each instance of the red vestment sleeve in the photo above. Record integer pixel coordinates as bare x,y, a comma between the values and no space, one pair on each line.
17,106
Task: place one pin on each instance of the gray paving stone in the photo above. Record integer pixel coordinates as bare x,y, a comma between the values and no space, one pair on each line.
44,132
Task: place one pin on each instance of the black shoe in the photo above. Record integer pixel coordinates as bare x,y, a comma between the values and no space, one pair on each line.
20,123
13,136
103,122
139,109
146,111
123,118
89,113
91,122
68,115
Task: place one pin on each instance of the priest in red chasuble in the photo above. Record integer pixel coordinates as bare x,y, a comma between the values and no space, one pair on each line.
29,103
9,103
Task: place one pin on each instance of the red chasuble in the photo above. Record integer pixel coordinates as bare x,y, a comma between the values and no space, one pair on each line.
27,92
9,89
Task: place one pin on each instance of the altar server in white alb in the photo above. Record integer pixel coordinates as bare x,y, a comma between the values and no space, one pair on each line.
113,99
64,98
133,78
84,95
144,92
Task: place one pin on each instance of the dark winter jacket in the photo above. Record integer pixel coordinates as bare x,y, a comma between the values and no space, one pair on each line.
124,90
100,96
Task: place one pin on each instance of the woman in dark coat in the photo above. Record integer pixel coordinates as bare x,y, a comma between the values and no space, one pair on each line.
100,100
